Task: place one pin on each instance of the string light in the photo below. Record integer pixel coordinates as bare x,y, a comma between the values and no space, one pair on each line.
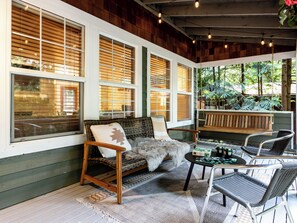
197,4
225,44
270,43
193,41
262,40
209,35
160,17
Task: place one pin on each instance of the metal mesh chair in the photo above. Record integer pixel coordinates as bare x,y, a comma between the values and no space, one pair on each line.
280,143
250,192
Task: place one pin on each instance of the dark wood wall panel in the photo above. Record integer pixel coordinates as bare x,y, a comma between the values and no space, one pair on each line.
212,51
133,18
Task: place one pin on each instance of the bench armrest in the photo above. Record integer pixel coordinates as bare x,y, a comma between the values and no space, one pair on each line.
106,145
194,132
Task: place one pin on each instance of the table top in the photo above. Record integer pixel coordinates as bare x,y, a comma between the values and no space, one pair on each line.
195,159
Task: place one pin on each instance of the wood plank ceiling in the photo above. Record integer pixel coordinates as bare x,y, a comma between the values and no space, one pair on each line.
242,21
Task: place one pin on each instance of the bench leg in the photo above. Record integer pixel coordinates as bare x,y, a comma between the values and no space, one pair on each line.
85,164
119,177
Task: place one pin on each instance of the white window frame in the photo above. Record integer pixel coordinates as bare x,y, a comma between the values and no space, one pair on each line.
132,86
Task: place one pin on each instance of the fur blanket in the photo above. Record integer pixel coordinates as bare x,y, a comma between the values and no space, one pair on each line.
154,151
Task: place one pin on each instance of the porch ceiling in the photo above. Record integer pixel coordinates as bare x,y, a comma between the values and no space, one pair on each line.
243,21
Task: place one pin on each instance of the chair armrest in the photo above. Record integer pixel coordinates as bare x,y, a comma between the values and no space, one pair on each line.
247,166
194,132
257,134
273,140
106,145
280,158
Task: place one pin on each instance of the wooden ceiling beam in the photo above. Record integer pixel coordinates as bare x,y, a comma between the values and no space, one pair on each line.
223,9
247,40
230,22
244,32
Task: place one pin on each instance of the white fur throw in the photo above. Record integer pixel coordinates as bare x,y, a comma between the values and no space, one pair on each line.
154,151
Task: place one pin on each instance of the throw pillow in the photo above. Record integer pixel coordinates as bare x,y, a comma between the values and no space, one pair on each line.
160,131
112,133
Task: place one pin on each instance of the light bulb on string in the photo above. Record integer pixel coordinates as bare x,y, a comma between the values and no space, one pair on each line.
196,4
209,35
160,17
270,43
225,45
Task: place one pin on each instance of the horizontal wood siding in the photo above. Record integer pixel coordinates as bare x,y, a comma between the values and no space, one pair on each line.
27,176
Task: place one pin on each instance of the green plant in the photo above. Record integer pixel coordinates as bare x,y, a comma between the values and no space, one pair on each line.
287,12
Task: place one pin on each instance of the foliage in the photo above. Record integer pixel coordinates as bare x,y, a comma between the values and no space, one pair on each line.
287,12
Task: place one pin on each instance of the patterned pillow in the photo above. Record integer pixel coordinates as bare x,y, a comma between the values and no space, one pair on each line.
160,131
112,133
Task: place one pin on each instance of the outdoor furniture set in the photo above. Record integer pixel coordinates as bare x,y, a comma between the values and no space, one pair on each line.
155,127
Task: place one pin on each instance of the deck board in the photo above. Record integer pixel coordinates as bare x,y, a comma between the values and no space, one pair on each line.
61,206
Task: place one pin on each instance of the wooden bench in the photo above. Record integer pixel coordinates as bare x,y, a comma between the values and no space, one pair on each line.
241,122
133,127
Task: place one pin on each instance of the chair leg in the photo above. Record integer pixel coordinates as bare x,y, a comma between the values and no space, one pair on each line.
253,216
287,209
205,203
237,209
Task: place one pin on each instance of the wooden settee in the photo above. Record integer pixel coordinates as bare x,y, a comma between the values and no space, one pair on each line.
133,127
237,122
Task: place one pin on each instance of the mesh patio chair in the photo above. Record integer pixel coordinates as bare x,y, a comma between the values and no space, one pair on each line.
250,192
280,143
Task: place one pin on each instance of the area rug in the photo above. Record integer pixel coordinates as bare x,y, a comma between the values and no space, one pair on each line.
159,197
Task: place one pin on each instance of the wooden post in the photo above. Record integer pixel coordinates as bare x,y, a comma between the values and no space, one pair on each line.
286,84
119,176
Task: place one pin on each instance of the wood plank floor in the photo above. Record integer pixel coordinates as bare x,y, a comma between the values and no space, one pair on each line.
61,206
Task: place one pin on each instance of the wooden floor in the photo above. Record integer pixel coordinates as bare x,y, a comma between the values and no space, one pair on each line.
61,206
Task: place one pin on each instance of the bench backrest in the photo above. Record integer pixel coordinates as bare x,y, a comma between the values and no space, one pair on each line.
133,127
239,120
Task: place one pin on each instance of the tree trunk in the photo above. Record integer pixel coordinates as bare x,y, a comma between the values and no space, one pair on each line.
286,84
242,79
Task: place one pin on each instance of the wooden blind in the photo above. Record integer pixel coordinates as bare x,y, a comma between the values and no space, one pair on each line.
44,106
116,102
160,72
184,82
160,104
117,61
47,43
183,107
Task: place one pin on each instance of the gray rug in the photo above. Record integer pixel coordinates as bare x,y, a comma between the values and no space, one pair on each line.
159,197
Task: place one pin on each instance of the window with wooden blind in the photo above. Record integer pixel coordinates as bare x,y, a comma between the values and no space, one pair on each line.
46,42
160,86
43,106
117,79
184,95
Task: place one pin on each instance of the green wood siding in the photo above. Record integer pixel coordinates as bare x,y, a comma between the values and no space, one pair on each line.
26,176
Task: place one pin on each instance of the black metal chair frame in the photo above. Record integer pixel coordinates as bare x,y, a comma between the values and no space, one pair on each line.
284,174
275,150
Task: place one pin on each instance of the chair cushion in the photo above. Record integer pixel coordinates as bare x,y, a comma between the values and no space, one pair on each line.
112,133
254,150
160,130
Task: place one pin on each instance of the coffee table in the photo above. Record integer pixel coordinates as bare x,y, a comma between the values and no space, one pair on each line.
194,160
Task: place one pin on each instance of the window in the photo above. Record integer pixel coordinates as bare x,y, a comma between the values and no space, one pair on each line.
117,79
184,88
46,42
43,106
160,86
